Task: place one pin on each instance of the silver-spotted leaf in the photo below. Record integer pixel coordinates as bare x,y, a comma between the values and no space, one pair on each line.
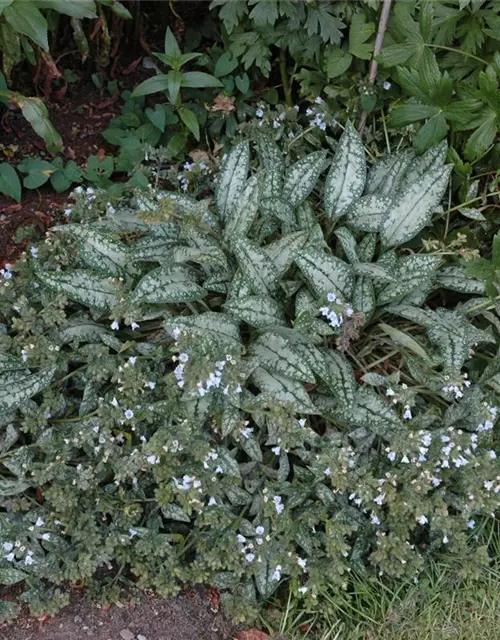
369,212
277,354
325,273
15,392
232,179
256,266
345,181
240,217
301,178
387,174
83,286
167,284
257,311
283,390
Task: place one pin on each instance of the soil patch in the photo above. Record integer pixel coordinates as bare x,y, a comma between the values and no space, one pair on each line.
187,617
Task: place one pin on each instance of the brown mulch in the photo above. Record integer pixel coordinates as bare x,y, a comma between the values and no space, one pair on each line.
189,616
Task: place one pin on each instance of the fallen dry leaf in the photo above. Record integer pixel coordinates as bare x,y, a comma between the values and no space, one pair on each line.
252,634
223,103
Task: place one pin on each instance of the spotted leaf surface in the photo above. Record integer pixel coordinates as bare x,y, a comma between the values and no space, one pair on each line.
232,179
301,178
325,273
16,389
84,287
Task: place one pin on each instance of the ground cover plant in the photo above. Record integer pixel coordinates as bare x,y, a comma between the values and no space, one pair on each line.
253,389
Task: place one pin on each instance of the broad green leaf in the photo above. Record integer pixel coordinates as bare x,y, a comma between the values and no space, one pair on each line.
301,178
336,372
337,62
36,114
405,340
425,165
157,116
17,388
374,271
413,208
26,18
240,218
283,390
277,354
280,208
433,131
255,265
83,286
325,273
346,179
190,120
456,278
167,284
199,80
369,212
257,311
99,250
373,413
273,165
9,576
10,184
73,8
232,179
156,84
173,511
171,47
348,244
409,113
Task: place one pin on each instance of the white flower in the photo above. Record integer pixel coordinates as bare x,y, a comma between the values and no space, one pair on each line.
302,590
471,524
387,85
379,499
238,389
318,100
212,502
24,355
246,432
278,505
331,297
250,557
301,562
10,557
129,414
309,111
28,560
114,402
40,522
392,456
422,520
435,481
407,414
276,124
492,454
426,440
133,532
78,191
8,546
67,212
114,325
151,384
183,357
259,113
34,252
302,422
327,471
260,530
135,326
152,459
276,450
132,360
445,539
276,577
241,538
45,536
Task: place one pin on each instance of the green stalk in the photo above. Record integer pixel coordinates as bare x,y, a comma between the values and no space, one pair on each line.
287,90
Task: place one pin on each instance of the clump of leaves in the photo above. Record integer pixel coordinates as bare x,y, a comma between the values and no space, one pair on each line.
246,389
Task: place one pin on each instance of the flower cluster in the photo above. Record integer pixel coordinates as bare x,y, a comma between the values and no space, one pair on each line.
336,310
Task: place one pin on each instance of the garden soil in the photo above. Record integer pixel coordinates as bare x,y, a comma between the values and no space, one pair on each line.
190,616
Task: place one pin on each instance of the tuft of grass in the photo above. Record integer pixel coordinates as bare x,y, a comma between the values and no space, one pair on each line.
442,606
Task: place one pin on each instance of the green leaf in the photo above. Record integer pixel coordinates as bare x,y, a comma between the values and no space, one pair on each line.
482,138
190,120
283,390
241,217
359,32
4,4
346,179
411,272
395,54
278,208
459,278
273,165
372,413
283,251
337,62
257,311
82,286
409,113
156,84
225,64
277,354
232,179
17,388
36,114
374,271
173,511
26,18
336,373
363,297
413,208
255,265
325,273
157,116
73,8
99,250
167,284
433,131
403,339
10,185
301,178
348,244
199,80
171,47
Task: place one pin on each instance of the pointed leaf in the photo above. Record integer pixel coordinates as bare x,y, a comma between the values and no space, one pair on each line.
325,273
15,391
167,284
232,179
257,311
301,178
255,265
84,287
283,390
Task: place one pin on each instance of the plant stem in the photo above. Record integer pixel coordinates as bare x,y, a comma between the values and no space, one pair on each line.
284,79
464,53
379,41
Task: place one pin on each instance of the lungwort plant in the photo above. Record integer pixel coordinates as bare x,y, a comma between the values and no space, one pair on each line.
247,389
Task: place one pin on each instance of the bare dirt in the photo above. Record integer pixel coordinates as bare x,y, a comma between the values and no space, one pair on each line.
190,616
